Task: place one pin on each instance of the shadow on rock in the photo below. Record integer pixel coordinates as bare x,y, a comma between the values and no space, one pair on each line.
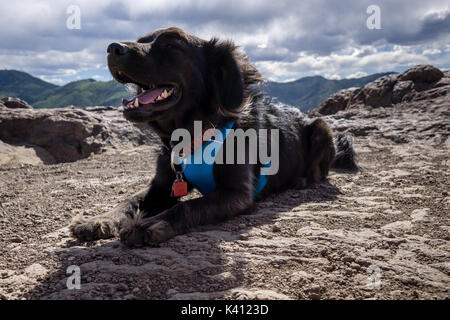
210,262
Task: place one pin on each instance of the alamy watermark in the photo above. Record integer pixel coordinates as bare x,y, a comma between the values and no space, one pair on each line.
235,140
374,281
73,22
374,19
74,279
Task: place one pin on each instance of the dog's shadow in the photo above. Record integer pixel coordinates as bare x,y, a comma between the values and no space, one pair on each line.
207,263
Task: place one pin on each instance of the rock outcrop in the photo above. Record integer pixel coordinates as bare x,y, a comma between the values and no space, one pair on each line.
14,103
418,83
413,106
422,73
69,134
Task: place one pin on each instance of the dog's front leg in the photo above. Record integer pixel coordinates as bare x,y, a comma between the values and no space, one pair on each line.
233,195
148,202
179,219
106,225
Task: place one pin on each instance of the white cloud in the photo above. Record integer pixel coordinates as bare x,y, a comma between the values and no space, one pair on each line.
54,80
358,74
286,39
51,62
333,76
337,64
427,52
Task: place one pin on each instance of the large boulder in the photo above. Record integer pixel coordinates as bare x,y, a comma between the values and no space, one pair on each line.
69,134
422,73
336,102
401,88
15,103
379,92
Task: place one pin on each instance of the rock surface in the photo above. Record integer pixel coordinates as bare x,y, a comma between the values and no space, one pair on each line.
69,134
382,233
418,83
14,103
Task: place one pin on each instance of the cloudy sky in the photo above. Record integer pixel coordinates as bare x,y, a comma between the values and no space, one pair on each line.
285,39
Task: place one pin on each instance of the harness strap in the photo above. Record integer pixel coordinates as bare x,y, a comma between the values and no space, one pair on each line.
201,175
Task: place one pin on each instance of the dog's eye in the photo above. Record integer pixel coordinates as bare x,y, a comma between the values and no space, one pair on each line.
170,46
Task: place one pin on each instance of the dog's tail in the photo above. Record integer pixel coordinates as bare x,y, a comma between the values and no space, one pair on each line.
345,154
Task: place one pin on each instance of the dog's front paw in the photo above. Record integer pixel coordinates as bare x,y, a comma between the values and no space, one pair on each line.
146,234
93,228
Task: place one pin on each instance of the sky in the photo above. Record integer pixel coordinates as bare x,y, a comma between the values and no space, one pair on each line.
286,40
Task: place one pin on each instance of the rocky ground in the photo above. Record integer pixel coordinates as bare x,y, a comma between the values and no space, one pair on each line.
382,233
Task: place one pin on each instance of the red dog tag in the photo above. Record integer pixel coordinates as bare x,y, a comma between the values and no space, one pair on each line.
179,188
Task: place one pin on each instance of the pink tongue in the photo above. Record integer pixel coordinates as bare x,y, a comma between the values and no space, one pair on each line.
146,97
150,96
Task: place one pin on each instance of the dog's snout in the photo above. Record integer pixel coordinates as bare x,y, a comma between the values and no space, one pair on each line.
118,49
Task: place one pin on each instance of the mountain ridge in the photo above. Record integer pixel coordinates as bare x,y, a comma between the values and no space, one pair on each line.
304,93
22,85
308,92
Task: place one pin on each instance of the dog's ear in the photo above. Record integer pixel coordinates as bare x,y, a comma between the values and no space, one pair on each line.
225,77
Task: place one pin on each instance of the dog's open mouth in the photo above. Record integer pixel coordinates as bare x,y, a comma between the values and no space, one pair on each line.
156,99
151,98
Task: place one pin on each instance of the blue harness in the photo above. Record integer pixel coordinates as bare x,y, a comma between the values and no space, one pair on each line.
201,176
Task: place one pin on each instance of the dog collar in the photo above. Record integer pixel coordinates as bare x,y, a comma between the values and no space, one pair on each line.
201,175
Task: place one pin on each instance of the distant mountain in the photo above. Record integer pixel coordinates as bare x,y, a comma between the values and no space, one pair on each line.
305,93
83,93
41,94
22,85
308,92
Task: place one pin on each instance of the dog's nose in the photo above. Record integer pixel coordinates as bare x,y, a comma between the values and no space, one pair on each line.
117,48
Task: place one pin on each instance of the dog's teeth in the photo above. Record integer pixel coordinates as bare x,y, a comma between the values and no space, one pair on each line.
164,94
136,102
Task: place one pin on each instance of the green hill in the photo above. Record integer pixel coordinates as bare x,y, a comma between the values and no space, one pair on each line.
22,85
41,94
84,93
305,93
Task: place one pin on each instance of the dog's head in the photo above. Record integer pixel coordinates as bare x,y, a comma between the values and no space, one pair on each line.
180,76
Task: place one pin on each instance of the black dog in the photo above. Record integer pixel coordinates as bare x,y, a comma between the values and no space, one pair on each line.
179,79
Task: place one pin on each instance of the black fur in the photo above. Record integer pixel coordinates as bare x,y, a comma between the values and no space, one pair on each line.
216,83
345,154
